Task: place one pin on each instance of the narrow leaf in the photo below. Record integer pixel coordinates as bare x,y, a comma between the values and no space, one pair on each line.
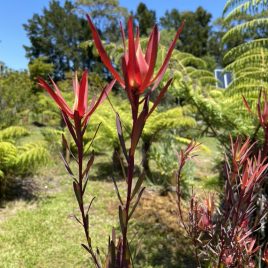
69,126
77,220
90,204
122,166
89,164
117,191
86,248
120,135
138,185
137,202
66,145
104,57
138,127
122,218
67,167
77,193
92,140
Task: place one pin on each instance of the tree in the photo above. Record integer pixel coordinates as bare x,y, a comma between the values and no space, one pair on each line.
40,68
146,18
195,35
106,15
16,97
56,35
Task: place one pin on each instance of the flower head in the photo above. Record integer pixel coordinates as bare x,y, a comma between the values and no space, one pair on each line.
81,97
228,258
262,111
205,213
138,68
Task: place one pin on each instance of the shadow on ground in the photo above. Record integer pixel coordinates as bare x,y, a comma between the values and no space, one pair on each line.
159,237
19,188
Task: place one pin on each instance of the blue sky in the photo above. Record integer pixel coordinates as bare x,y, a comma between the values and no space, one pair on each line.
13,13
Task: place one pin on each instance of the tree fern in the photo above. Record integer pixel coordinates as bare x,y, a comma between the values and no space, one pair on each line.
31,155
246,26
13,132
247,61
234,6
8,156
169,119
237,51
19,158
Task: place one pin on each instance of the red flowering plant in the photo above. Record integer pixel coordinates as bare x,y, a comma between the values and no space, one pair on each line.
226,237
139,81
76,120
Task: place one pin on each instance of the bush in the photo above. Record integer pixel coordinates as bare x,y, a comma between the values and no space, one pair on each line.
17,157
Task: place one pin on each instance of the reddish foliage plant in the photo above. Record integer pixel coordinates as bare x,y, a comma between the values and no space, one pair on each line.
226,237
137,76
76,120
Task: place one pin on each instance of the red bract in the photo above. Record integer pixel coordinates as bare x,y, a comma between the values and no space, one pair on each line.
249,246
138,69
253,172
228,258
262,112
206,211
81,95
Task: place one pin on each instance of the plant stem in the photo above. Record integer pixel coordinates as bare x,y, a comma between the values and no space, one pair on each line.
125,263
80,181
127,206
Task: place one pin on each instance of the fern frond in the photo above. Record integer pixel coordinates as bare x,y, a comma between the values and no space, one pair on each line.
246,89
13,132
31,156
248,61
249,25
53,137
242,5
166,120
8,155
237,51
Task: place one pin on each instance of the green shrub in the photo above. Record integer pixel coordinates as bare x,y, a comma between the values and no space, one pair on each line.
18,158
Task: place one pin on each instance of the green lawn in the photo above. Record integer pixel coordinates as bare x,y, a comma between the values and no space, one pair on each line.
46,235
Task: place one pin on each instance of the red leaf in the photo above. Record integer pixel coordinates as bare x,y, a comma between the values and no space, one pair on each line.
138,127
57,98
151,56
132,71
82,95
164,66
104,57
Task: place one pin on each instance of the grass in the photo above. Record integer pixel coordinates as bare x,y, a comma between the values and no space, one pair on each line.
46,235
